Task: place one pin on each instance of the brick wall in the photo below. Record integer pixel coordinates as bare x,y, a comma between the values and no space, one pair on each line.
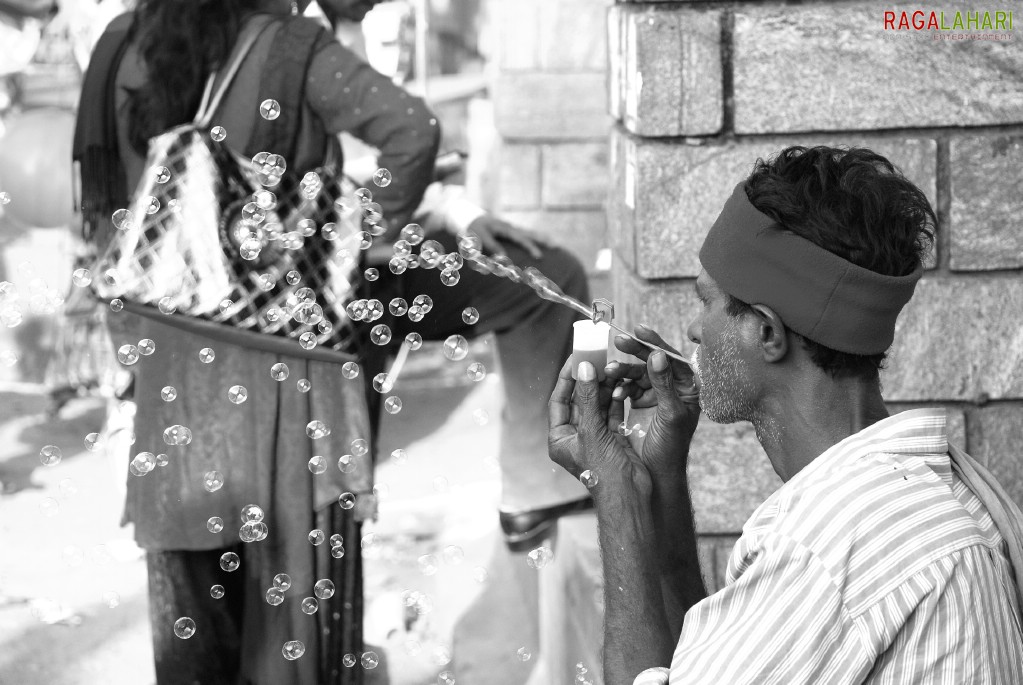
698,91
550,111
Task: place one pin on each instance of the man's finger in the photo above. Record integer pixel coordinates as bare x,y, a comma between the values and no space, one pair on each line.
663,382
559,408
616,410
587,397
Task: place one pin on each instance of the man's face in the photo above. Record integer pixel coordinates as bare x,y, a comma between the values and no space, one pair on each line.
352,10
721,364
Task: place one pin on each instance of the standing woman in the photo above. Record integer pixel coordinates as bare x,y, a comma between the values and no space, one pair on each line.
146,76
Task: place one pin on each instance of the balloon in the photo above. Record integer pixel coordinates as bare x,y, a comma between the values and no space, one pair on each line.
35,167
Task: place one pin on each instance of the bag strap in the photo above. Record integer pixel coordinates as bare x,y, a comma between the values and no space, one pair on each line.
210,100
284,79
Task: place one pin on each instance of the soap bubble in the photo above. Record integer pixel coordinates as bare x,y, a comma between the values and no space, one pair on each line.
414,341
252,513
413,233
430,254
274,597
453,555
279,371
346,500
370,660
123,219
215,524
398,306
416,313
374,310
316,537
150,204
382,177
252,531
111,599
392,404
317,429
364,196
265,199
523,654
445,678
177,435
539,558
49,507
81,277
162,460
382,384
449,277
380,334
350,370
588,478
269,109
381,490
127,354
323,589
337,552
293,649
336,539
479,574
624,429
456,348
452,261
476,372
144,462
229,561
237,394
308,313
346,463
470,315
8,358
318,464
166,305
184,627
397,265
212,481
169,393
440,655
293,277
282,581
399,456
307,340
161,174
218,133
146,347
348,660
360,447
310,605
217,591
207,355
402,248
470,244
424,301
50,455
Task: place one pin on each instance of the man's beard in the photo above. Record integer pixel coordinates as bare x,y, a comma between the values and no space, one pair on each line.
725,389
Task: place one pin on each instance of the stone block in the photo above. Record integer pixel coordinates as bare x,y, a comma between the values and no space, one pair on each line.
832,67
555,106
583,232
515,27
572,36
958,339
575,174
996,433
665,70
667,306
986,222
666,195
518,177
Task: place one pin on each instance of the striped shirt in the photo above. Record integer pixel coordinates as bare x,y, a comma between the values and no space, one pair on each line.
874,564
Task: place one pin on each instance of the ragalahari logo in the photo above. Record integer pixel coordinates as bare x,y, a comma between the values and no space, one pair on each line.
959,25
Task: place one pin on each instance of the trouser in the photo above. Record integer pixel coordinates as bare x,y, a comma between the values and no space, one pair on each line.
534,337
238,638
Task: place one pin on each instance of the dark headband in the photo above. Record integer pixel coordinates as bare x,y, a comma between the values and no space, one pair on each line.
815,292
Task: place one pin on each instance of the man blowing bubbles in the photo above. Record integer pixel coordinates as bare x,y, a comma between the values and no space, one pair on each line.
888,555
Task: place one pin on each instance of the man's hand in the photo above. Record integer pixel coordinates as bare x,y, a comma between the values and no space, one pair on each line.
662,386
491,231
580,435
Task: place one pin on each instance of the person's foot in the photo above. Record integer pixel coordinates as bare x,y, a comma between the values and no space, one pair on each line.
523,530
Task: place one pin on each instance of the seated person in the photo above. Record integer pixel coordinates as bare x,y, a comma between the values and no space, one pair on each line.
888,555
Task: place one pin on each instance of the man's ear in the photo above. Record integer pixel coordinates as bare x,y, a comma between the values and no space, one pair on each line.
771,333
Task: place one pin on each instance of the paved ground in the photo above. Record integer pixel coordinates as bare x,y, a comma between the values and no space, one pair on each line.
72,584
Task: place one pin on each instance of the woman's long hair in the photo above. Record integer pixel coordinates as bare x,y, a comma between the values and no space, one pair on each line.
180,43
